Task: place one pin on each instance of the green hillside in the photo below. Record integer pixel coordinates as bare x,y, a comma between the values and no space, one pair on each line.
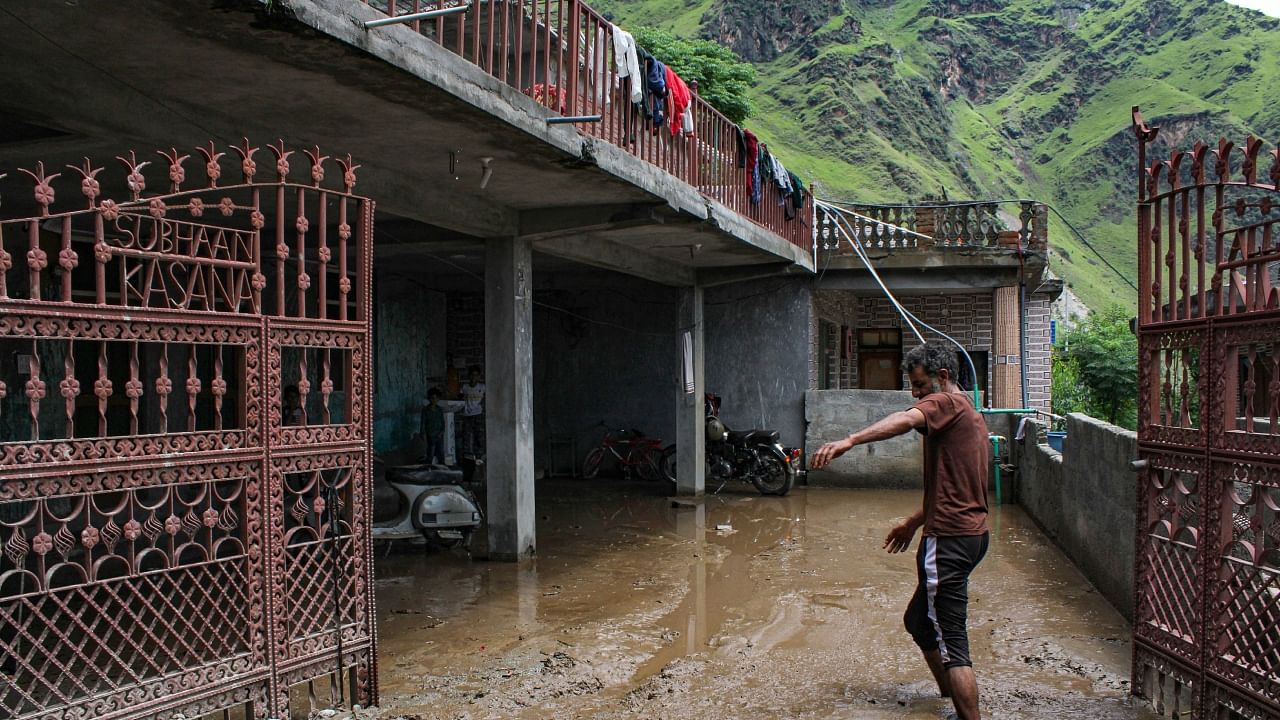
890,101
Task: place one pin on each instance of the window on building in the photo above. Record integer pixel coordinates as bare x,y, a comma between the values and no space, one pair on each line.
880,359
966,379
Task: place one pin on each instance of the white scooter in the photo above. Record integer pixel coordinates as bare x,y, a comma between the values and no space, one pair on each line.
433,505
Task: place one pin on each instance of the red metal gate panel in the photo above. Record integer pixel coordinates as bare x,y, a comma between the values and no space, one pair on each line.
172,537
1207,612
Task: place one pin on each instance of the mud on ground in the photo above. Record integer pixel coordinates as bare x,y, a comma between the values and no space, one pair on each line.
739,607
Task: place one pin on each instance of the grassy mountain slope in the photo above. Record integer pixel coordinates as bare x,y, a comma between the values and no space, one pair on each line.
885,100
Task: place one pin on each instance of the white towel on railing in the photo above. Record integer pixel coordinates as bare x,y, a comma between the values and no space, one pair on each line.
624,52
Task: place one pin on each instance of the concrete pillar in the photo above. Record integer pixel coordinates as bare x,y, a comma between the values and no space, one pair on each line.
508,304
1006,388
691,445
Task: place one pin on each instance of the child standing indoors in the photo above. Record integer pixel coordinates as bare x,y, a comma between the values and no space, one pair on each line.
433,427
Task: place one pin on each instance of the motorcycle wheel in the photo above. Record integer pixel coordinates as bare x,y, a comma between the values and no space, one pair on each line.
667,464
773,476
591,466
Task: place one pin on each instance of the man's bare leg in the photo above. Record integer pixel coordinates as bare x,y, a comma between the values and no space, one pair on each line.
964,692
934,658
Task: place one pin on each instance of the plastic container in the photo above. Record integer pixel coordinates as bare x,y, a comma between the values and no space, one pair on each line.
1055,439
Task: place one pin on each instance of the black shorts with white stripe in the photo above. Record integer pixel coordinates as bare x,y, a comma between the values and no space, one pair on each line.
937,614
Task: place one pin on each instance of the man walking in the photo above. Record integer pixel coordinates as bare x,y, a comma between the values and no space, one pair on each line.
953,517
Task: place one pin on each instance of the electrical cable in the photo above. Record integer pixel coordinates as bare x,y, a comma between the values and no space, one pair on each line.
971,203
857,248
907,316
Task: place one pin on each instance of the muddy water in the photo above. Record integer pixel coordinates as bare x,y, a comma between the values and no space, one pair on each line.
741,606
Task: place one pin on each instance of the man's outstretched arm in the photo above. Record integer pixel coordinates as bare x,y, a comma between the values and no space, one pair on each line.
888,427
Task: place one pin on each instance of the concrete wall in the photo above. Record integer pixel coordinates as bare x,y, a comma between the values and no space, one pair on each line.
405,313
611,357
1084,500
833,414
758,354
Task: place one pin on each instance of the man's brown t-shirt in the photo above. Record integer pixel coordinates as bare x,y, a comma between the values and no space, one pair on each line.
955,466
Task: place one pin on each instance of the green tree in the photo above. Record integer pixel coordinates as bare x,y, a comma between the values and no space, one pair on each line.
723,78
1069,394
1106,353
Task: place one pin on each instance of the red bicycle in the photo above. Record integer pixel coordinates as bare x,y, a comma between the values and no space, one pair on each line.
631,449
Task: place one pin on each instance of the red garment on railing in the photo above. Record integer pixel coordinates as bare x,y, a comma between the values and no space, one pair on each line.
681,99
753,157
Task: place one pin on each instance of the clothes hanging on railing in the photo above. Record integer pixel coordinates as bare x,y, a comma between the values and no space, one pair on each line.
597,72
750,159
757,183
624,52
656,91
742,147
797,191
780,178
681,104
762,168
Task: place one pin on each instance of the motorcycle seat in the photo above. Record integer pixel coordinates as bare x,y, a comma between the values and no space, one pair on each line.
424,475
762,437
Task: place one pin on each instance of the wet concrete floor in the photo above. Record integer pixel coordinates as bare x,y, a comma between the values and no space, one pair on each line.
740,607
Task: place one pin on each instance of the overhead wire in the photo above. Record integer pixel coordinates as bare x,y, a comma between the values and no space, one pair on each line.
843,226
856,243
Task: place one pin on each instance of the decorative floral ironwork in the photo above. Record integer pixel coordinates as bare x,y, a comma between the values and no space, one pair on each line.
151,509
70,388
1208,560
37,259
212,169
177,174
109,209
89,185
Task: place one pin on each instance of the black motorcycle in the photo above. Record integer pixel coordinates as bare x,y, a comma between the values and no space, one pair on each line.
755,456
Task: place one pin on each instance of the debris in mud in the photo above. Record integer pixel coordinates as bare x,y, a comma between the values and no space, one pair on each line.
558,662
673,679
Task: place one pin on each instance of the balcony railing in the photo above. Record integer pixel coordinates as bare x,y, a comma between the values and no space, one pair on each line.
561,53
945,226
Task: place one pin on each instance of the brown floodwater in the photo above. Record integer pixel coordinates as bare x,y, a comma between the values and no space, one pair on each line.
740,606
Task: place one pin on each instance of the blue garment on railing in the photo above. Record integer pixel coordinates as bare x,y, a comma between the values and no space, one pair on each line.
656,86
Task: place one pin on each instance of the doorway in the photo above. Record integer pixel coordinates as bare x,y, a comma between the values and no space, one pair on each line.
880,359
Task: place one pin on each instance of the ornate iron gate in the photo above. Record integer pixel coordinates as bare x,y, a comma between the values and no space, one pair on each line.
1207,612
185,438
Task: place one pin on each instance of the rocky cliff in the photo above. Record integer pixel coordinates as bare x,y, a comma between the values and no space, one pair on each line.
892,100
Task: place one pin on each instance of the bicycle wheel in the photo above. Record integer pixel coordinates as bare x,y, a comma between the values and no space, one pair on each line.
591,466
650,465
